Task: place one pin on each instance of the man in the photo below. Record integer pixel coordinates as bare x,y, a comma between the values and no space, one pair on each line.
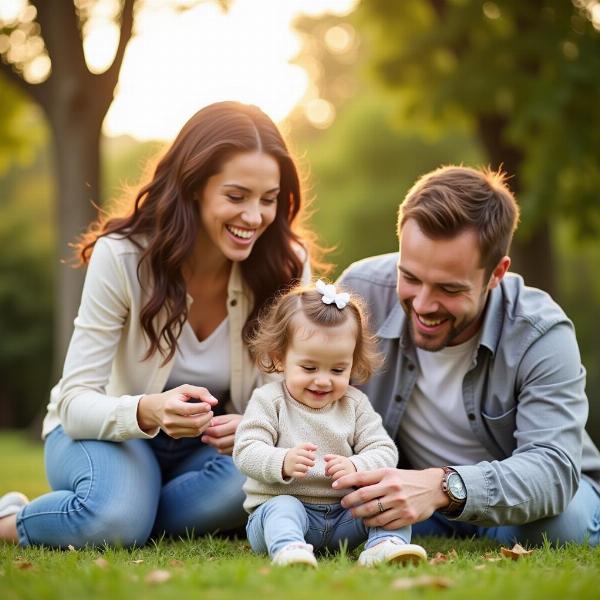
482,387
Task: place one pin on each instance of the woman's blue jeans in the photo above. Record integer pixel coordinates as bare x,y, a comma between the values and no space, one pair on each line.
282,520
122,493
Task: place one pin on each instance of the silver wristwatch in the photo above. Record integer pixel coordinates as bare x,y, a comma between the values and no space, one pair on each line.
454,487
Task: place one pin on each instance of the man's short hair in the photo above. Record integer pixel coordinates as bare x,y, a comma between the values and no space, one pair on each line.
452,199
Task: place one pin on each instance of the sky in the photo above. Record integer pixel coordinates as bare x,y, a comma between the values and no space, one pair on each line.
180,61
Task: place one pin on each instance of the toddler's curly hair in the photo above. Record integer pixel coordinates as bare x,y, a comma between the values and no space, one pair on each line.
276,328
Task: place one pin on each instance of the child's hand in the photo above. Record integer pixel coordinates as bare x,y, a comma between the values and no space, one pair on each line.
336,466
299,460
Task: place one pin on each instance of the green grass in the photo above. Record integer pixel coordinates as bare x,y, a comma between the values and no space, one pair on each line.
212,567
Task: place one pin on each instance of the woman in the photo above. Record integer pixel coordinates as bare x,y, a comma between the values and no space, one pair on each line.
158,360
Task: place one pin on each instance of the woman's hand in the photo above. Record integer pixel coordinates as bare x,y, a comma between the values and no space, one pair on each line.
221,432
185,411
337,466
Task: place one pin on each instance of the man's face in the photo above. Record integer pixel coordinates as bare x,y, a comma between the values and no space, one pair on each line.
442,286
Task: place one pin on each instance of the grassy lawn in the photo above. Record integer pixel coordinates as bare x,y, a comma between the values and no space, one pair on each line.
220,568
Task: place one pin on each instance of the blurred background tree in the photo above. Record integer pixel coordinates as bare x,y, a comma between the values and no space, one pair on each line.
42,54
523,78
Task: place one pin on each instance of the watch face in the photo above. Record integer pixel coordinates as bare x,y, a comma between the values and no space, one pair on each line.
456,486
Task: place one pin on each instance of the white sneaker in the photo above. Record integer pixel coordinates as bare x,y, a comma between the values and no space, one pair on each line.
295,553
392,551
11,503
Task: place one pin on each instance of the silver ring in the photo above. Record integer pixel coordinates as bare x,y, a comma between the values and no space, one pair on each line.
380,506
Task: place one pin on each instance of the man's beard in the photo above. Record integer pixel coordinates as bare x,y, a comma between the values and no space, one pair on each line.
453,333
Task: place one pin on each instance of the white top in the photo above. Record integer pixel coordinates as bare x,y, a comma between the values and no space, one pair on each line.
434,430
204,363
274,422
106,372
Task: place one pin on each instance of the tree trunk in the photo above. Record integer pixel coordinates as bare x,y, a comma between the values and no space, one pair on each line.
533,255
77,168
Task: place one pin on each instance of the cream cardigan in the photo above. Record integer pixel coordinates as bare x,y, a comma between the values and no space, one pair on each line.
105,373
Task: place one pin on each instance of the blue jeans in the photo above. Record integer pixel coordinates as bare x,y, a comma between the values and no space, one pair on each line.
121,493
579,523
284,519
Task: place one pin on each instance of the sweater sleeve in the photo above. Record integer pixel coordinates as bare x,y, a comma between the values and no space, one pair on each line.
254,452
84,408
373,447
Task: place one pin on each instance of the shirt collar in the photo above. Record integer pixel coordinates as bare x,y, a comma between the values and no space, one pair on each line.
395,325
392,327
491,328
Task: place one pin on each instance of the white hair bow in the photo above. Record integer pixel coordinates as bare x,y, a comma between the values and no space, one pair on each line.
330,294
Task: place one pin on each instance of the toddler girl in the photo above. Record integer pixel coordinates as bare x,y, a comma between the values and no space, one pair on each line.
300,434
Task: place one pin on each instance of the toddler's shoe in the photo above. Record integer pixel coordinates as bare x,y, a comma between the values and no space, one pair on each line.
11,503
295,553
392,551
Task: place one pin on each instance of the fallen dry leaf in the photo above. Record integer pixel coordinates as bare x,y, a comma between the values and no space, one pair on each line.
101,562
176,563
138,561
516,552
22,563
438,559
157,576
264,571
71,548
491,557
452,554
479,567
423,581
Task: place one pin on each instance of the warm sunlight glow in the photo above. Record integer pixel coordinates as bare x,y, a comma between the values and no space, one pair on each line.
320,113
11,9
595,11
181,61
339,39
100,45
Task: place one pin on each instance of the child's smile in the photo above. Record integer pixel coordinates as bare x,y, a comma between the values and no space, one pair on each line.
318,361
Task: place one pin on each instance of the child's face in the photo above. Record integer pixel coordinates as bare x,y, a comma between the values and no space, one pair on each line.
318,361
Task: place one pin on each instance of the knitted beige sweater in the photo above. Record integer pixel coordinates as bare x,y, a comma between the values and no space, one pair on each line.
274,422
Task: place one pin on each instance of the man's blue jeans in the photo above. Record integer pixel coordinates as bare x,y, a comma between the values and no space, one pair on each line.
579,523
121,493
284,519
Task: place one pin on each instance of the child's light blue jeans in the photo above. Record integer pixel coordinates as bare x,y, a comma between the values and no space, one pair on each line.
121,493
282,520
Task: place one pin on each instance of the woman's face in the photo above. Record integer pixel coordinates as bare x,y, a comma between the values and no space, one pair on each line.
239,203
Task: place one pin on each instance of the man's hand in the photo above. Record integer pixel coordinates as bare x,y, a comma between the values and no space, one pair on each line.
337,466
299,460
406,497
220,434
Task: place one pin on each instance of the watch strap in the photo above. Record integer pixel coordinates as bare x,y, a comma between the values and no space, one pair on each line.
455,504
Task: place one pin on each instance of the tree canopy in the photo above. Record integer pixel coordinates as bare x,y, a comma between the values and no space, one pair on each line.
522,75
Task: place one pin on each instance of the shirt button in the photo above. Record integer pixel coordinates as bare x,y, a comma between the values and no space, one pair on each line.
398,398
471,416
233,302
410,367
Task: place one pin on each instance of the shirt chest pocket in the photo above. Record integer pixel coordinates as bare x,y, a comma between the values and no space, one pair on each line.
501,428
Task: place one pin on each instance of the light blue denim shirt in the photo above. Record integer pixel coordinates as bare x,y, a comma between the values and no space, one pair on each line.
524,395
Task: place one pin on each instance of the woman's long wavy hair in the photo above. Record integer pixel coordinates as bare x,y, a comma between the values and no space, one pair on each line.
164,218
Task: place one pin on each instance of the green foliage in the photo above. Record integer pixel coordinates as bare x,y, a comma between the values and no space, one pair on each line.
532,65
360,170
19,136
27,263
